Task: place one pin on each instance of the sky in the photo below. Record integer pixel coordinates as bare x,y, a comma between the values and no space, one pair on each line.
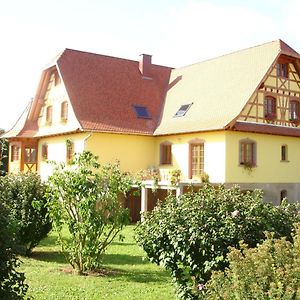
174,32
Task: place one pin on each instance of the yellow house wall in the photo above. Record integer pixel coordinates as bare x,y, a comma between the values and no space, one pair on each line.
270,168
135,153
57,151
214,154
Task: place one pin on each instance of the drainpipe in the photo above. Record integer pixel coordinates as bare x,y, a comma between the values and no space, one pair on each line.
85,140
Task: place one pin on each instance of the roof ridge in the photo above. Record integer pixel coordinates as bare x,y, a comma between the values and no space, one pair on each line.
107,56
231,53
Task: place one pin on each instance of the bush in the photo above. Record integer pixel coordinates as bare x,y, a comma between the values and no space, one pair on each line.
85,198
190,236
270,271
12,284
24,195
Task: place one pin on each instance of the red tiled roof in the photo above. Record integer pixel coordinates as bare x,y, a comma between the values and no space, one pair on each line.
103,90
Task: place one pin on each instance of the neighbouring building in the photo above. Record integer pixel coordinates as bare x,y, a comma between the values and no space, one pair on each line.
234,117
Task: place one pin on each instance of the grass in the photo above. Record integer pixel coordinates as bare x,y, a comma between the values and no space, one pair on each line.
128,275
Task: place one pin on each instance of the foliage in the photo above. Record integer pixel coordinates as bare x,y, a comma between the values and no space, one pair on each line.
269,271
12,284
24,196
204,177
3,155
175,176
190,235
85,198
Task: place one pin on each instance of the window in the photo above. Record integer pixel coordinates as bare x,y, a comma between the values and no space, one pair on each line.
294,110
284,153
270,108
14,153
196,159
142,112
182,110
64,111
49,115
283,195
30,155
56,79
282,70
69,150
44,151
247,153
166,154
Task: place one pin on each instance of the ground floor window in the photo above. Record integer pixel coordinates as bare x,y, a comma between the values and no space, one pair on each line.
30,155
283,195
14,153
247,153
196,159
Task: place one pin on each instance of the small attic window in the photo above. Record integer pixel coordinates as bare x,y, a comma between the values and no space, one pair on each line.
142,112
182,110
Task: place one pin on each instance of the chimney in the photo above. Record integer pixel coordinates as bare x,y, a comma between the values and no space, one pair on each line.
145,65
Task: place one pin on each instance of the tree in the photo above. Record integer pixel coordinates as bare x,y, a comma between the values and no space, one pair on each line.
269,271
24,195
190,236
3,154
84,197
12,285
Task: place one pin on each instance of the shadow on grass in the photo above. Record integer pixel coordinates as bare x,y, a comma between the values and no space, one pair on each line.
49,256
123,259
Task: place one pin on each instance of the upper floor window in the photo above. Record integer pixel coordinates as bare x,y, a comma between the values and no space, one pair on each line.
247,153
166,153
270,108
14,153
57,79
49,115
196,159
45,151
30,155
284,152
294,110
64,111
282,70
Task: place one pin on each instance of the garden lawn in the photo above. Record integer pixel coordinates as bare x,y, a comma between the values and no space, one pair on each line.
128,275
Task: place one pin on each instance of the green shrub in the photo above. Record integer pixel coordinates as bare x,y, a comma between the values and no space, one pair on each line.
25,197
190,236
270,271
85,197
12,284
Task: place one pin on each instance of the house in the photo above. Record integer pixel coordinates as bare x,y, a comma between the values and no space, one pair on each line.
234,117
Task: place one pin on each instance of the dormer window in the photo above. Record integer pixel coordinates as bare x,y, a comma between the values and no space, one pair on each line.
142,112
282,70
294,111
182,110
270,108
64,111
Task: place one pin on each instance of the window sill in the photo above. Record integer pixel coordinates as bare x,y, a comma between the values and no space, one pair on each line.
166,165
285,161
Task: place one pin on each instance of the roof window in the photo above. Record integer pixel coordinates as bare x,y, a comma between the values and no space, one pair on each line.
182,110
142,112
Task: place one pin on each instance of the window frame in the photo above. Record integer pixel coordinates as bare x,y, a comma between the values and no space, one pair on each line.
282,70
270,107
44,151
165,153
284,153
49,114
201,169
247,159
30,155
69,150
64,111
15,153
183,109
294,110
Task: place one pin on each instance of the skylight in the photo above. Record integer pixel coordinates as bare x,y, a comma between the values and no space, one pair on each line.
142,112
182,110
